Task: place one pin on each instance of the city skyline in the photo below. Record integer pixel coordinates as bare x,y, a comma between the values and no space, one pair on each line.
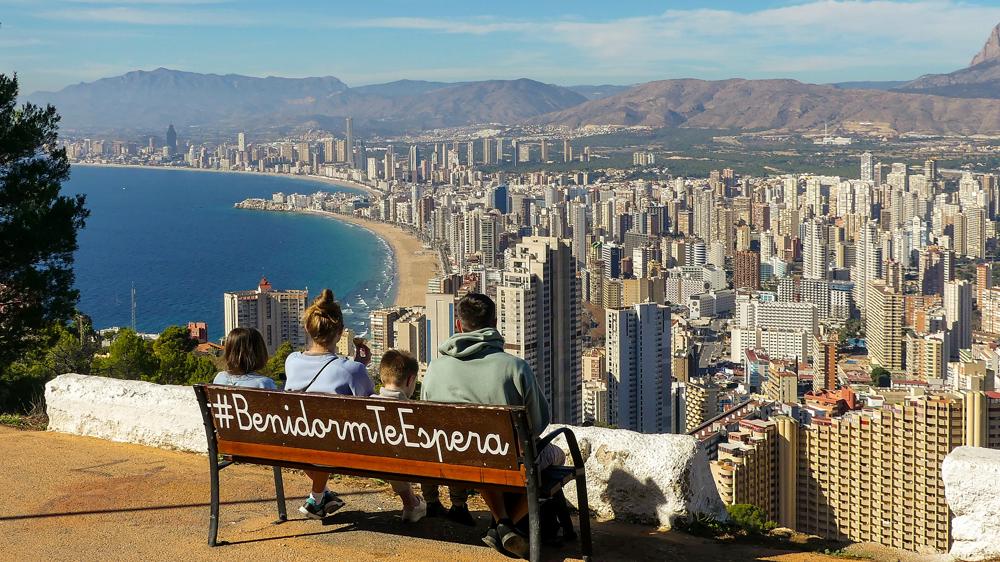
67,42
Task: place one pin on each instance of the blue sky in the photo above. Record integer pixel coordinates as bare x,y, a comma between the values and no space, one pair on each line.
53,43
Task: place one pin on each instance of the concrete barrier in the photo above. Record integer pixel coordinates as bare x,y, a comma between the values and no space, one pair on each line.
126,411
653,479
970,478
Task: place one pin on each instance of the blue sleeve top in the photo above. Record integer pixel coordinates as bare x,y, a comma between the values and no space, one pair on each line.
249,380
341,376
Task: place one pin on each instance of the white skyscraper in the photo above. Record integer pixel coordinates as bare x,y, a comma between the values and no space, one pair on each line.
867,167
538,309
815,252
639,357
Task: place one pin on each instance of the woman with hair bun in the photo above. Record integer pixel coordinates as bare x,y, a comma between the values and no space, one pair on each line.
320,369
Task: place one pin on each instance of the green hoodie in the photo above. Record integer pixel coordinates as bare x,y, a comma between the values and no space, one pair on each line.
474,369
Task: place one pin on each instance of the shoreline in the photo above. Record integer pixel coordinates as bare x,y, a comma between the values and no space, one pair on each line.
411,260
367,189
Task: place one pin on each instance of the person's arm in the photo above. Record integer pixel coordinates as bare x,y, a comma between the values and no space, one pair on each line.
268,384
534,401
361,384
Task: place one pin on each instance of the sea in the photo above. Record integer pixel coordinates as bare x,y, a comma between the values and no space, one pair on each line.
175,237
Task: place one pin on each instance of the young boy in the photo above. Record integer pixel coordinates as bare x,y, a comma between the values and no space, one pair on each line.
398,372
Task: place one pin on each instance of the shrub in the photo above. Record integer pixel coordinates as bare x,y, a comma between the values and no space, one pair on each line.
749,519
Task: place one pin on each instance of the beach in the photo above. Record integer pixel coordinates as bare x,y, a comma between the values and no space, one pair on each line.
415,265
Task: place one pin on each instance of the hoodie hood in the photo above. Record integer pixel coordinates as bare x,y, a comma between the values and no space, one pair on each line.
466,345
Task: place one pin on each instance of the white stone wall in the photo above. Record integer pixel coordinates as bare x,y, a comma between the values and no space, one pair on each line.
972,488
126,411
655,479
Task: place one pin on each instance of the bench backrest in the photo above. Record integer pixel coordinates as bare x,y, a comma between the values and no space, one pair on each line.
395,439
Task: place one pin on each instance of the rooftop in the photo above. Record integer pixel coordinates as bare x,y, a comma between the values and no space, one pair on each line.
90,499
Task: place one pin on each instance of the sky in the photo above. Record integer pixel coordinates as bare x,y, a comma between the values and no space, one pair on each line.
55,43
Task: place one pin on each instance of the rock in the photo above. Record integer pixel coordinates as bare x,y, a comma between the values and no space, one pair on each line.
991,50
126,411
970,485
653,479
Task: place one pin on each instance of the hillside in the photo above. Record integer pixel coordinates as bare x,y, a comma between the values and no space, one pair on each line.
784,105
981,79
150,100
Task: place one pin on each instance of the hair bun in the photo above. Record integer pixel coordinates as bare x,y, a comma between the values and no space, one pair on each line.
325,300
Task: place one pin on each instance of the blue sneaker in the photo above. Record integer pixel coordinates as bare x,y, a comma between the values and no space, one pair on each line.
330,503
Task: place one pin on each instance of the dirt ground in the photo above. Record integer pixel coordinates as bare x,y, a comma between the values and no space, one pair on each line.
77,498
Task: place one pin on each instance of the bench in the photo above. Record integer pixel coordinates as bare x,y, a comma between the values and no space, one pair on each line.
473,446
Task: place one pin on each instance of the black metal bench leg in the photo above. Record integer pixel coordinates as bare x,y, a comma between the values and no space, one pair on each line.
586,546
213,520
279,494
534,525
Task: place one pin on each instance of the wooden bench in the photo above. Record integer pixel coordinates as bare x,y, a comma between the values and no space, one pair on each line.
467,445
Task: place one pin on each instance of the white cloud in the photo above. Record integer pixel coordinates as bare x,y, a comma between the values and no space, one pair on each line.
809,38
151,16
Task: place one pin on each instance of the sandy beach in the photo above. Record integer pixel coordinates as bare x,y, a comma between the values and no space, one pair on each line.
415,265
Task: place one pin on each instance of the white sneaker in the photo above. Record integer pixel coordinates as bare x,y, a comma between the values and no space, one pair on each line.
416,513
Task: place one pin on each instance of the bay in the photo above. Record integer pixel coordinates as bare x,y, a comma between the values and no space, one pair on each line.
176,236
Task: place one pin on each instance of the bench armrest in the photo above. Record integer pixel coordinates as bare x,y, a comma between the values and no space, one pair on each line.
574,447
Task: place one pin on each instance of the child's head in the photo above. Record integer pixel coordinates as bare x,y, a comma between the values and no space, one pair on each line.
324,322
245,351
399,370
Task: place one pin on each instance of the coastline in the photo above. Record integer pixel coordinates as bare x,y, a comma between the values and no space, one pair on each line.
413,262
299,177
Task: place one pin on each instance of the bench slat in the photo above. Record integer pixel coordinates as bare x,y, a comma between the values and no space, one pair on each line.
372,466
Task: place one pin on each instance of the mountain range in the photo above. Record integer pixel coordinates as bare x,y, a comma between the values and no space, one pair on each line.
966,101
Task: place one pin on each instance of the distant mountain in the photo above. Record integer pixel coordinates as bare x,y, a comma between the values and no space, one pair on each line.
149,100
991,50
980,80
869,85
598,92
783,105
404,87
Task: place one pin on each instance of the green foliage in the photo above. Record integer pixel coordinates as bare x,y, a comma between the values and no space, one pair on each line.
59,350
128,357
852,329
275,367
881,377
38,227
745,520
750,520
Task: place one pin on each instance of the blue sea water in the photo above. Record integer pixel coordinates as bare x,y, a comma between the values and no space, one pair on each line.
176,236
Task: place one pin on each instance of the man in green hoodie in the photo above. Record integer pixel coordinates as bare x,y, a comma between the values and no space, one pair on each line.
473,368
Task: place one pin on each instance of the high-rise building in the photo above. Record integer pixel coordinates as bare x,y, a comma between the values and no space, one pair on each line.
884,327
958,314
349,142
874,474
867,167
639,358
382,333
567,151
984,279
815,250
172,142
746,273
544,149
701,402
276,314
825,356
241,141
538,307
